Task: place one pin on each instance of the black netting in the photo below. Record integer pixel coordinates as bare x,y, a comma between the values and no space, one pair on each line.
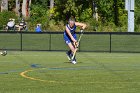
99,42
95,42
125,43
35,41
10,41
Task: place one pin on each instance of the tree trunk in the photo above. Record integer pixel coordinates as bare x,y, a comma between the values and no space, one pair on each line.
94,10
4,5
51,4
18,7
116,12
26,8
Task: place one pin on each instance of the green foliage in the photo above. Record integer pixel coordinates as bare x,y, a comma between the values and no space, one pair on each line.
55,26
68,8
38,15
112,14
43,3
72,9
5,16
105,10
86,14
92,24
11,4
137,15
122,14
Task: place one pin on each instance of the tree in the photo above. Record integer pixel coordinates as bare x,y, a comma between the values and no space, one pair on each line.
26,8
109,11
137,11
4,5
67,8
43,3
51,4
18,11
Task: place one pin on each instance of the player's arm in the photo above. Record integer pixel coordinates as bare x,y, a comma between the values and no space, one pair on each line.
81,25
70,35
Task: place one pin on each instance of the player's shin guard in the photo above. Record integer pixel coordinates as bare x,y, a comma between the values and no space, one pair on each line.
69,54
73,60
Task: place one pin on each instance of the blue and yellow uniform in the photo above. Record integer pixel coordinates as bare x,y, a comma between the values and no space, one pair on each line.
67,39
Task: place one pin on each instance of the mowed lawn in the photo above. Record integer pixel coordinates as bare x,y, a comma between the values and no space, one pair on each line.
51,72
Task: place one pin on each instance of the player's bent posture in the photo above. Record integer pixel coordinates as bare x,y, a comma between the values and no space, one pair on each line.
70,37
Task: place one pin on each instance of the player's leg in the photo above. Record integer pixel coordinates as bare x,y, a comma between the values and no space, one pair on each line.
72,48
68,43
69,54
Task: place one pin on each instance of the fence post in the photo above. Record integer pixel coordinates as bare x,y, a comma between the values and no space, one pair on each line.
110,42
50,42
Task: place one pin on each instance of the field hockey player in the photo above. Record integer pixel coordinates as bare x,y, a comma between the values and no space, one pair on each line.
70,37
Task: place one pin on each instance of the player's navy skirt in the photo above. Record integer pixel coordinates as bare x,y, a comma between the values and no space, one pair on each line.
67,39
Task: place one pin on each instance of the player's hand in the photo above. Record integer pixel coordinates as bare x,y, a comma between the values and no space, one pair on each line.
76,44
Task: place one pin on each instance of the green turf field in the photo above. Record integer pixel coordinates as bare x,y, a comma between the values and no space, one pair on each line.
51,72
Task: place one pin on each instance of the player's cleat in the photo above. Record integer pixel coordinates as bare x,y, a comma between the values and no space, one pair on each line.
73,61
68,55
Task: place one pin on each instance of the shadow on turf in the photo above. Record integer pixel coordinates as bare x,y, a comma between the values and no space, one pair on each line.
71,63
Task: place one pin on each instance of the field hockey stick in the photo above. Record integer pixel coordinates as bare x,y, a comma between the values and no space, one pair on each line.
77,45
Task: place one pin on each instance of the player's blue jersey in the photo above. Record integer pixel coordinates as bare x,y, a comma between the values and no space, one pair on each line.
72,31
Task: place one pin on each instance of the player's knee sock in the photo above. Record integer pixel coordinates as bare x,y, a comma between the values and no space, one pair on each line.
69,52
